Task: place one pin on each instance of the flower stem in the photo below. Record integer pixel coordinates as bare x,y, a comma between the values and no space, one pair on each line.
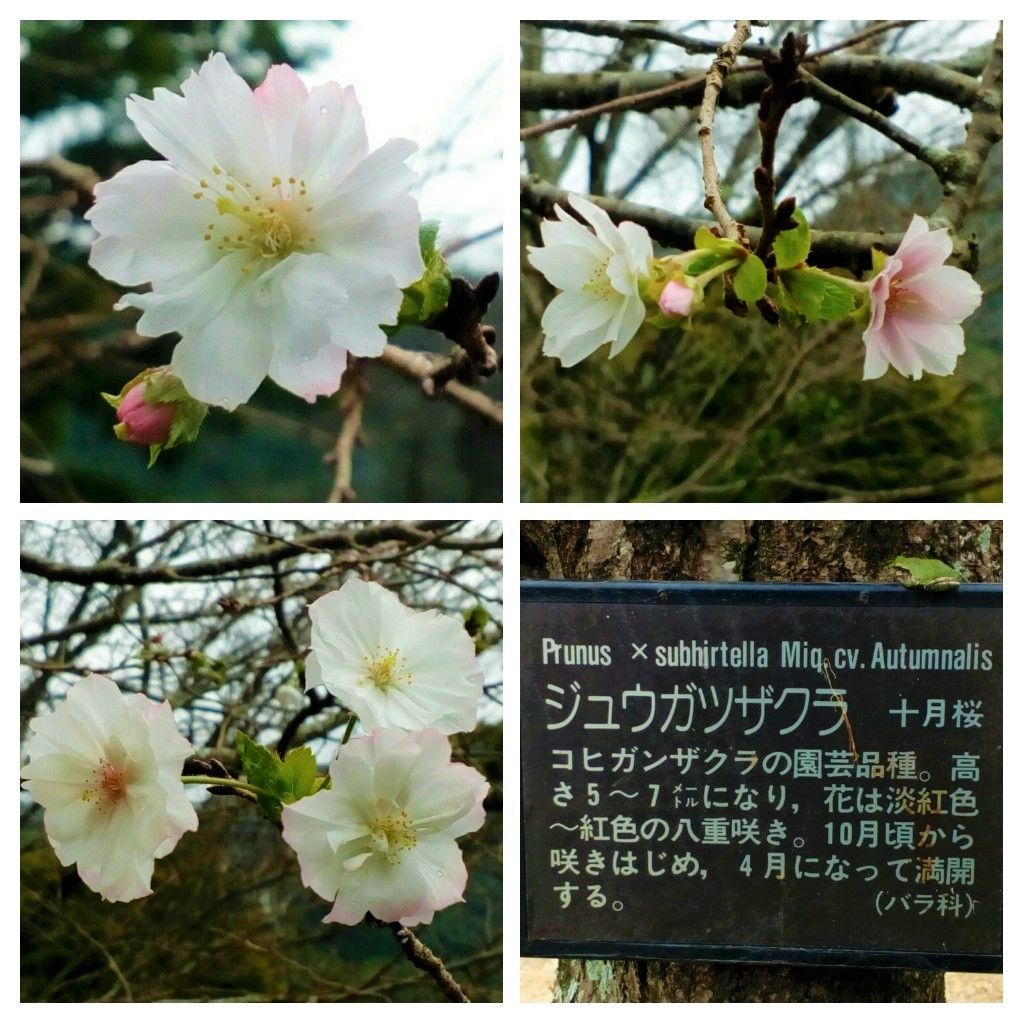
716,271
348,728
211,780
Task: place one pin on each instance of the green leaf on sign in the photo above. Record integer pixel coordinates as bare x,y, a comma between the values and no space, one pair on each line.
750,279
928,573
791,247
819,296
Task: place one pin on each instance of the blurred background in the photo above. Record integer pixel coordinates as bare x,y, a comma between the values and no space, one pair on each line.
229,919
737,410
75,75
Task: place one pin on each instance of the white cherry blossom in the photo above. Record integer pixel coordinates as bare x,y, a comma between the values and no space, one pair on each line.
391,665
381,840
106,766
274,240
600,274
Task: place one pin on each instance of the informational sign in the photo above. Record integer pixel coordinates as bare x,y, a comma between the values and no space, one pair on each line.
765,773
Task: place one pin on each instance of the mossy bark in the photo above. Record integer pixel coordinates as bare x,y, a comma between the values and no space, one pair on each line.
750,551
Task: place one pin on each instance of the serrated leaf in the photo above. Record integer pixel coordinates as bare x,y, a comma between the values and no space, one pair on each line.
299,772
792,247
750,280
818,296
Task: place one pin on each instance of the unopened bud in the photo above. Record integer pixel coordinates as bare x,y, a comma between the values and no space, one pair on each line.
676,299
142,422
154,409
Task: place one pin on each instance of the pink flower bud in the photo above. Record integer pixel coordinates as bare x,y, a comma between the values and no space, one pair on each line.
676,299
144,422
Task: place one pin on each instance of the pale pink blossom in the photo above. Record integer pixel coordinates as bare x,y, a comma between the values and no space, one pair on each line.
106,766
381,840
917,305
276,242
144,422
676,299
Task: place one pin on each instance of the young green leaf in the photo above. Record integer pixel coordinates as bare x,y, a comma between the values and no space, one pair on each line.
704,239
750,279
818,296
791,247
704,262
425,298
281,782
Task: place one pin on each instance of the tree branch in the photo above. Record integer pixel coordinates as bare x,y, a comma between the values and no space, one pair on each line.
725,58
421,956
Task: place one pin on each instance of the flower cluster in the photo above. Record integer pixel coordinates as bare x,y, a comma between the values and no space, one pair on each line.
610,284
381,840
378,837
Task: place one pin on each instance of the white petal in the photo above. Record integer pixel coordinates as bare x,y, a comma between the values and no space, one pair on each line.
151,226
568,267
223,361
330,138
281,99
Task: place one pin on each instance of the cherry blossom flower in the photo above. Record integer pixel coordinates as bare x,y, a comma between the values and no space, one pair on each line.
106,766
600,274
274,240
391,665
381,840
917,305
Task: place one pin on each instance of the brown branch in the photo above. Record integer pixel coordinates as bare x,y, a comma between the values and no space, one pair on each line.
936,159
421,956
850,249
984,131
337,539
876,29
354,386
420,367
725,58
461,321
84,178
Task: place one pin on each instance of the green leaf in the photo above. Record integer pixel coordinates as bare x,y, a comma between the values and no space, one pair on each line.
791,247
703,262
819,296
425,298
704,239
282,782
750,279
878,259
928,573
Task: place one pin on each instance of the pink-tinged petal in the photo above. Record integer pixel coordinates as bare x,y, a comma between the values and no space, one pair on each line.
942,295
676,299
311,378
894,346
937,345
281,99
875,364
922,249
879,291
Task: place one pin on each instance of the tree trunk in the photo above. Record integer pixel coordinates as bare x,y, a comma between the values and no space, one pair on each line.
749,551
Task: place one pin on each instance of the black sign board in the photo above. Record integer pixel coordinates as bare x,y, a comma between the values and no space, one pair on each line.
762,773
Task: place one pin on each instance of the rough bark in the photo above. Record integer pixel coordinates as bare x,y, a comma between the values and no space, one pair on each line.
752,551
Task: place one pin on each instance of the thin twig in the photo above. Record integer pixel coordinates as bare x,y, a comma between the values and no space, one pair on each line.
427,960
725,58
354,386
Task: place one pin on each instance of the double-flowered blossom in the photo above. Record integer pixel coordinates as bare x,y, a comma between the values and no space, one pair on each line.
917,305
381,840
106,766
391,665
600,274
275,241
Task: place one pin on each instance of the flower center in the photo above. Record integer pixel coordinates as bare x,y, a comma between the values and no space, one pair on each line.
599,283
385,669
391,835
268,223
107,785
